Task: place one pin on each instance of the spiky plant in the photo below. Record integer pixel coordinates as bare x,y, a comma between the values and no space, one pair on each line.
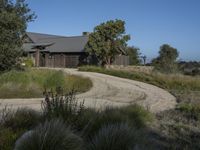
66,107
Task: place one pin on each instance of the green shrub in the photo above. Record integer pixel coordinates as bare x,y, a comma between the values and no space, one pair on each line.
52,135
192,111
55,79
115,137
22,119
137,115
28,62
13,123
7,138
79,84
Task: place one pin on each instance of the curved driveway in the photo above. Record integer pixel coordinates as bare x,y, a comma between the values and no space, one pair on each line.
111,91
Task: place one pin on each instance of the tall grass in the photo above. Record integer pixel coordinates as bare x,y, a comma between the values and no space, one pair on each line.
32,83
66,107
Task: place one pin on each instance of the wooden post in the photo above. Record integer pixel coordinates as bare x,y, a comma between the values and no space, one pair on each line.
37,58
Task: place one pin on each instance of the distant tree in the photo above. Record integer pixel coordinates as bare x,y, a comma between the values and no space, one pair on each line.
190,67
14,16
134,55
167,59
107,40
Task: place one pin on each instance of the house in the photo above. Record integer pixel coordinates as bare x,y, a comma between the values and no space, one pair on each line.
59,51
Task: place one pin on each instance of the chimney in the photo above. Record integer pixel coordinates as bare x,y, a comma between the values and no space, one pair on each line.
86,33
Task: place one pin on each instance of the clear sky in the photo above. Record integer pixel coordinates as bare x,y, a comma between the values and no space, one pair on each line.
150,23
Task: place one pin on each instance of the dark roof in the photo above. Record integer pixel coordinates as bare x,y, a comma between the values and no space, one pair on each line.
55,43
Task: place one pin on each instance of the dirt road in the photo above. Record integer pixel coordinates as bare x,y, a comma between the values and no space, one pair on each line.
111,91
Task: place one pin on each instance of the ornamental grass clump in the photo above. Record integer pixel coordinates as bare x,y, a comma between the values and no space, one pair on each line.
22,119
116,137
133,115
52,135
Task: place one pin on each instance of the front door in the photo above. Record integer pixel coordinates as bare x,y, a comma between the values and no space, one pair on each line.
42,59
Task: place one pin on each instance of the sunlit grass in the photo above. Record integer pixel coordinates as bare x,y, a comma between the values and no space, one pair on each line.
166,81
33,82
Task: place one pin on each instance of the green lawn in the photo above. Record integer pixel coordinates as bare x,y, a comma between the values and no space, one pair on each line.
33,82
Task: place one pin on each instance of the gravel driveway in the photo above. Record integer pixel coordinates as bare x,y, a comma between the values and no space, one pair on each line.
111,91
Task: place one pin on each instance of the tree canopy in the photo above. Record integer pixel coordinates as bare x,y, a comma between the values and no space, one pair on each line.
167,59
108,40
134,55
14,16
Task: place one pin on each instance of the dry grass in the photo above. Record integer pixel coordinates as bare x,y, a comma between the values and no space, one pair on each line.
167,81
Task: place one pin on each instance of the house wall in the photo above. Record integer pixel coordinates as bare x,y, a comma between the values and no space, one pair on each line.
63,60
72,60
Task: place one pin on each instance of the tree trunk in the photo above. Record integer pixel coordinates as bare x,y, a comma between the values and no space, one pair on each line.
108,62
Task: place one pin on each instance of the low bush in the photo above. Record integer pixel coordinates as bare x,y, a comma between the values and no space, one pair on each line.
179,136
13,123
28,62
137,115
52,135
7,138
79,84
85,120
192,111
22,119
56,79
116,137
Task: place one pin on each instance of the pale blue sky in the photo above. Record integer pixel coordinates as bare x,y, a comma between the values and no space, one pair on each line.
150,23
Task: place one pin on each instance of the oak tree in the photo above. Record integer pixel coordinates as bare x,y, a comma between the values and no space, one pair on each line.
167,59
134,55
108,40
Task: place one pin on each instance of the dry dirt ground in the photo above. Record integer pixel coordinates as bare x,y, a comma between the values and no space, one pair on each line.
110,91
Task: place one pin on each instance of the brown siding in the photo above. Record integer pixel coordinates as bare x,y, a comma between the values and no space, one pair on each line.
121,60
62,60
71,61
